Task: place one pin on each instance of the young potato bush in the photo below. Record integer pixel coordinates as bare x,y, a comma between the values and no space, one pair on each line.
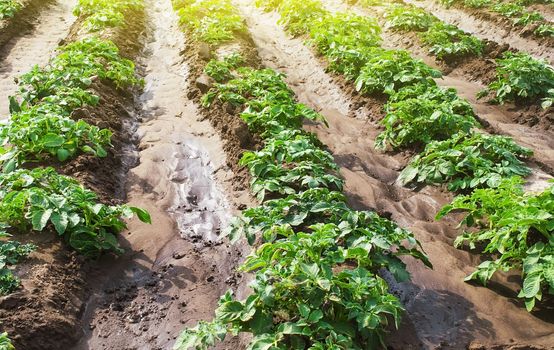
520,76
210,21
468,161
41,198
409,18
8,8
448,42
515,230
101,14
419,114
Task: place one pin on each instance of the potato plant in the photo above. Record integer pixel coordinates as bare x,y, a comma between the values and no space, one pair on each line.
419,114
446,41
5,342
210,21
402,17
42,199
101,14
515,229
521,77
11,252
468,161
41,126
8,8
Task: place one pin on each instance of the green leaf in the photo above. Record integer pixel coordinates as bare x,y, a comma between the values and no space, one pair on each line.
40,218
142,214
52,140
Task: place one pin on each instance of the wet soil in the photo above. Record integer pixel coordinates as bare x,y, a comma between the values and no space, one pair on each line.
33,41
175,270
443,312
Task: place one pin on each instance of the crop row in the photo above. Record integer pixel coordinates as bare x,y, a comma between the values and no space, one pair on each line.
519,77
419,113
315,266
512,10
43,129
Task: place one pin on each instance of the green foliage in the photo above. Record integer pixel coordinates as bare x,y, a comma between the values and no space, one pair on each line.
423,113
41,199
5,342
8,8
389,70
448,42
41,125
514,227
36,134
221,70
317,289
468,161
211,21
11,252
545,30
406,18
477,4
297,16
344,30
520,16
101,14
520,76
270,106
290,162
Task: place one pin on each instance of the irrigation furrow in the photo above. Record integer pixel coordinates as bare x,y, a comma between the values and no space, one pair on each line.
441,308
174,271
33,47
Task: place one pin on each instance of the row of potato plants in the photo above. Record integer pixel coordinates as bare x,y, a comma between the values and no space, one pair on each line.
41,130
418,113
444,41
515,11
519,76
316,283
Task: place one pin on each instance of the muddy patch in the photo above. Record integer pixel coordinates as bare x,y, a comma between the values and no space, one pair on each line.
175,270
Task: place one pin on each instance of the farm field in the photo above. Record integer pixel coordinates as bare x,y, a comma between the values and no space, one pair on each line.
276,174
